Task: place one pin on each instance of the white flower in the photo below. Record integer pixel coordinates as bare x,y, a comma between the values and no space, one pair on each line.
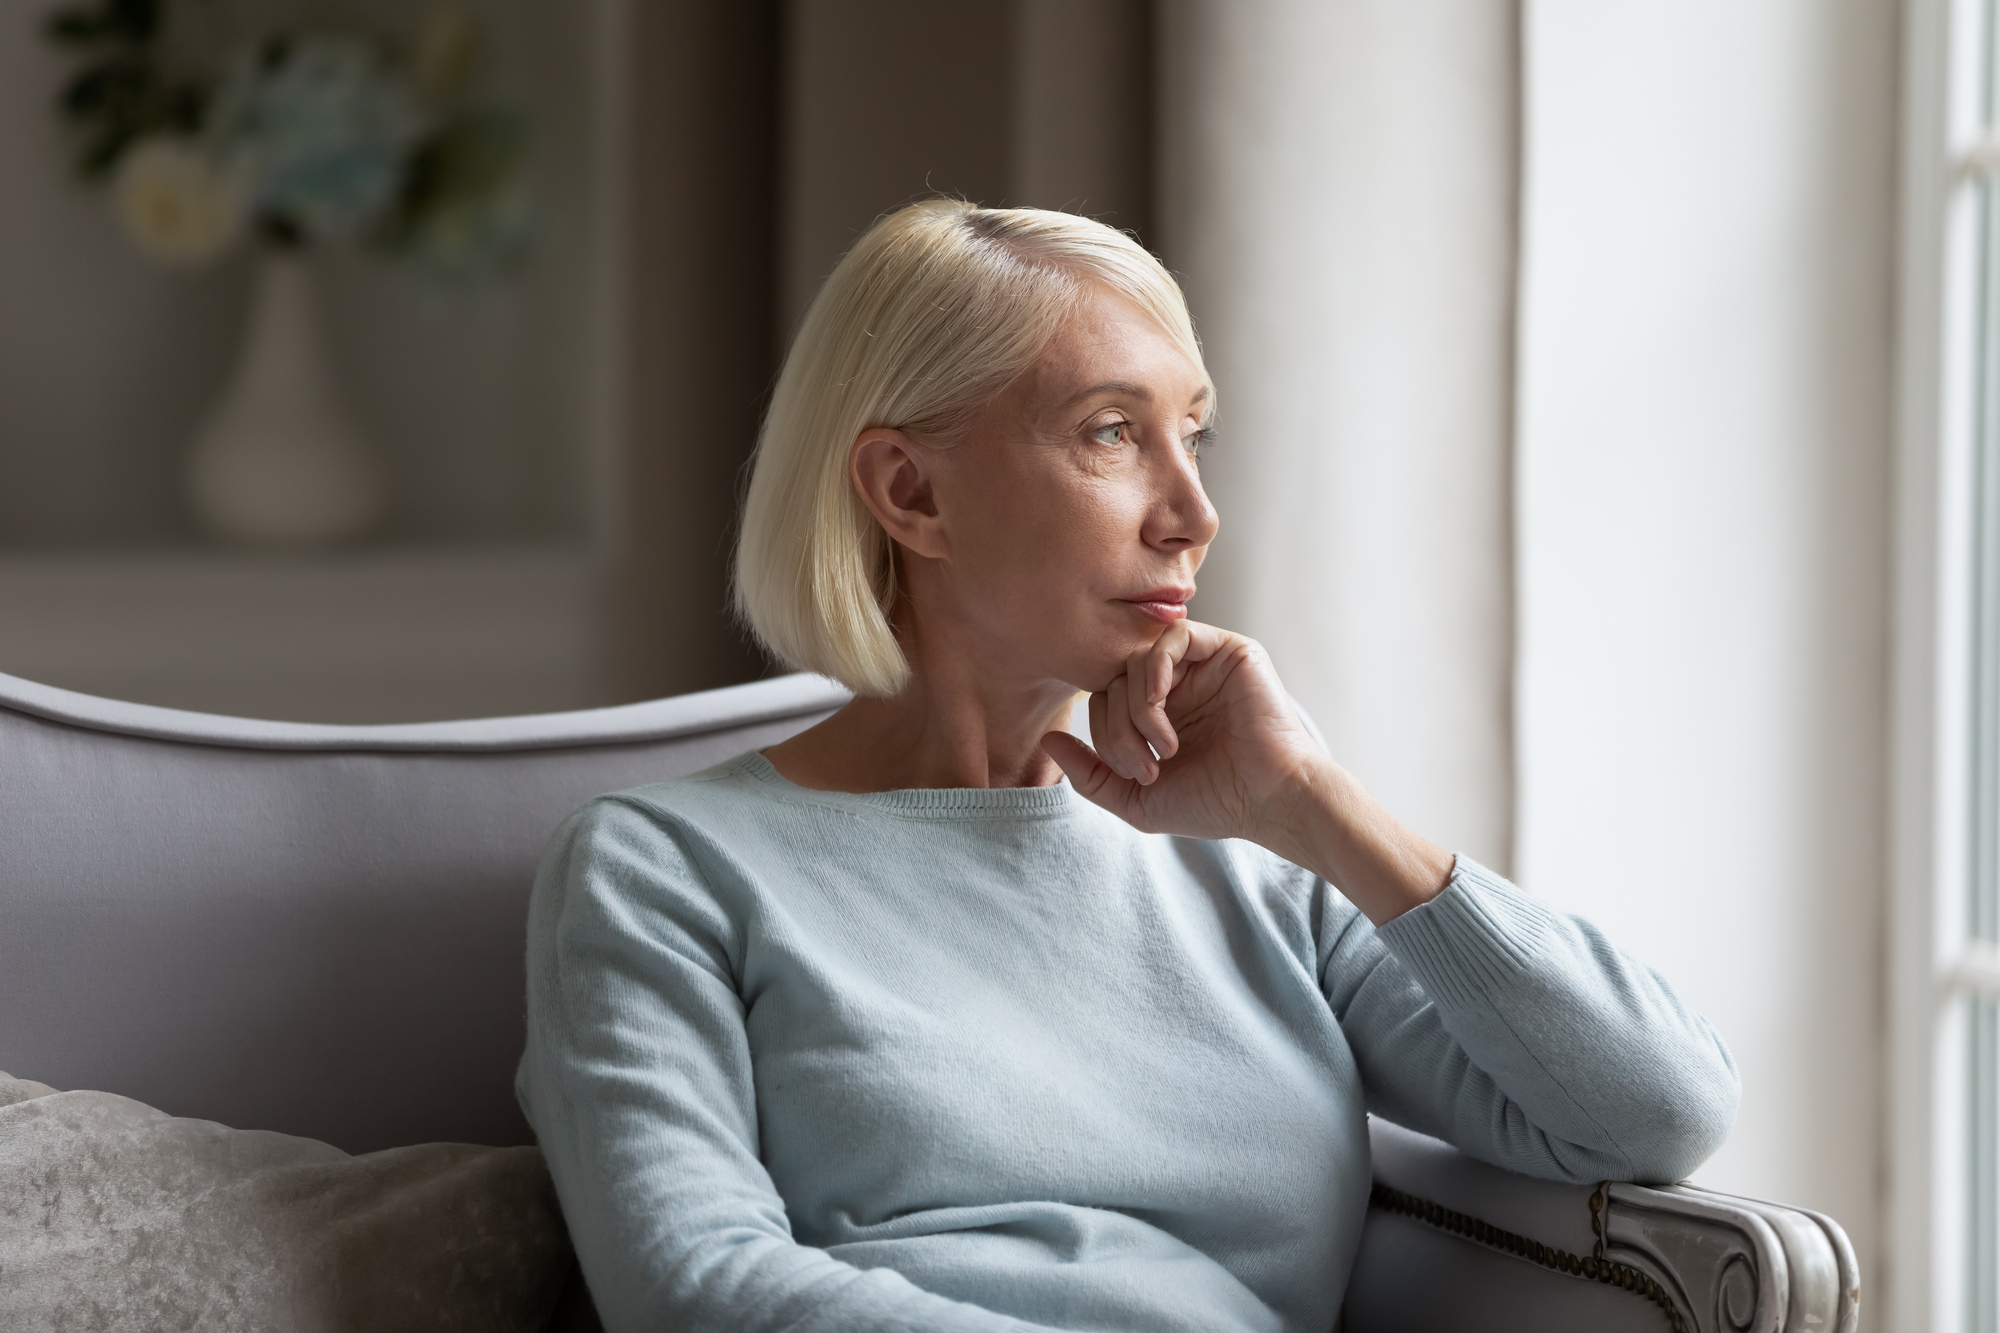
179,205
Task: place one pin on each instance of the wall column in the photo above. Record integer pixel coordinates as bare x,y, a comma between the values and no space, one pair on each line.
1707,345
1337,190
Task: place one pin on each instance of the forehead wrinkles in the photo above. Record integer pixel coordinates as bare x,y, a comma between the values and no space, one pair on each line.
1105,345
1081,391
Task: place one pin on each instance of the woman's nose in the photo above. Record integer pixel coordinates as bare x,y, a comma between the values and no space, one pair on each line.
1180,515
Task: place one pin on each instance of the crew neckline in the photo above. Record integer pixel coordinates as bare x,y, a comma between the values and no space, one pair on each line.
949,801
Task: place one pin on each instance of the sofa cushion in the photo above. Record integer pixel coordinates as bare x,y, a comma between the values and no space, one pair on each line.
312,929
117,1216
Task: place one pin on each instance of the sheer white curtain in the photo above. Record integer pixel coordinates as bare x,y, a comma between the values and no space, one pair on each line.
1337,190
1697,498
1704,500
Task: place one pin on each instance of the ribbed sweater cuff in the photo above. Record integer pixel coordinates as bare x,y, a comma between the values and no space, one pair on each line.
1474,941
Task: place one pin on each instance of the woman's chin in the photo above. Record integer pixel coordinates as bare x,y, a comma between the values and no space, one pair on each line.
1101,671
1097,653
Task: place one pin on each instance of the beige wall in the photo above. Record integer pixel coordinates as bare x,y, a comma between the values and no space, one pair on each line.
1338,190
699,153
1704,490
1038,102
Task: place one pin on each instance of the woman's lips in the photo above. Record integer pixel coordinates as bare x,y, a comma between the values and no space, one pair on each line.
1164,605
1164,612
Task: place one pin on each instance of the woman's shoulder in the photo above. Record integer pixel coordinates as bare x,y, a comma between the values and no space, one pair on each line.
657,847
709,800
721,786
661,825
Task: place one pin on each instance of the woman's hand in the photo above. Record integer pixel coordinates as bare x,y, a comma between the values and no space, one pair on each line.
1209,705
1233,761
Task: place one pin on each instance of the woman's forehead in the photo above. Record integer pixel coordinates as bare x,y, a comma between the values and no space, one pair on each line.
1109,347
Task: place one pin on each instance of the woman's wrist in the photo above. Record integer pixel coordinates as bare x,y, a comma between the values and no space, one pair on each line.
1325,821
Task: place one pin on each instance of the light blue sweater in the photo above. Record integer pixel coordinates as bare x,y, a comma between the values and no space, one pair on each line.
976,1060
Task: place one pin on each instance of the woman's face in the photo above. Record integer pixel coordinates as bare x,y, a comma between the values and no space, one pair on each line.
1064,530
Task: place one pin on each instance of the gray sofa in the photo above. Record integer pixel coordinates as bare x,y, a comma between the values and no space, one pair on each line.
318,930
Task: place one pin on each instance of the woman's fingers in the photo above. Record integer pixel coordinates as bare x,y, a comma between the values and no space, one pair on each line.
1157,671
1150,676
1128,718
1121,743
1093,779
1100,732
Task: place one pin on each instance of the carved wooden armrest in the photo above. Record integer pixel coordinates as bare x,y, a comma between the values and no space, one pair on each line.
1735,1265
1687,1260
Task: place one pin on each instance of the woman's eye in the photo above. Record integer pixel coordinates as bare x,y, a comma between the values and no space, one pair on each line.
1111,434
1193,443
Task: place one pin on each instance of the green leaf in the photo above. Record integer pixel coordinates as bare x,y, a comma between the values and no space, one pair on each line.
102,151
472,157
96,89
139,20
75,27
133,23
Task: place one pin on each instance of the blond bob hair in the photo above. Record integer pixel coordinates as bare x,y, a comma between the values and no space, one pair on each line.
937,308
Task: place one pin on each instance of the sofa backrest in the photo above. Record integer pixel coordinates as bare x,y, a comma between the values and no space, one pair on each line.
312,929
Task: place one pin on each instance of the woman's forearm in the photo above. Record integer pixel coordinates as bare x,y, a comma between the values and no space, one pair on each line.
1522,1036
1325,821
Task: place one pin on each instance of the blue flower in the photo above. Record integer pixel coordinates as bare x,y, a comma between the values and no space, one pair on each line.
325,129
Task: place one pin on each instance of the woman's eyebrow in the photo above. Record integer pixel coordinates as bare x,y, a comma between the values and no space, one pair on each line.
1125,387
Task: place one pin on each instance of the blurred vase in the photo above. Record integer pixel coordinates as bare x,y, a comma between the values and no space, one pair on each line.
278,461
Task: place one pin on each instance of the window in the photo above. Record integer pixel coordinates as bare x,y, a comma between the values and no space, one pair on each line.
1945,1020
1976,266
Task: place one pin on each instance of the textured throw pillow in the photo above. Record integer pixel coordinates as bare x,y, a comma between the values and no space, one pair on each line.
116,1216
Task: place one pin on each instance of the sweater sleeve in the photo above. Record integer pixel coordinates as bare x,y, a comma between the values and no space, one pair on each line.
1521,1037
637,1079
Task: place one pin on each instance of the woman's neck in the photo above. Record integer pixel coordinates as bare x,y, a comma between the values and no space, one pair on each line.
946,728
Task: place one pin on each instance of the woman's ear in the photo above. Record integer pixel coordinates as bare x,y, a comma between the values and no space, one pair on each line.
892,474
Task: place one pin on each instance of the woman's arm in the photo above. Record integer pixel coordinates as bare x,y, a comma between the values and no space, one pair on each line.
1198,737
1516,1033
1477,1014
637,1079
1519,1035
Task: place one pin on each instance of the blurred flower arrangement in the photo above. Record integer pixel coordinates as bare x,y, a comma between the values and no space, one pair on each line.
210,134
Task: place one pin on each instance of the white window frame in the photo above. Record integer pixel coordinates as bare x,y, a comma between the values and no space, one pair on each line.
1936,968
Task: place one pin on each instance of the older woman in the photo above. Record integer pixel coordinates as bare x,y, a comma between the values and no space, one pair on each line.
893,1027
